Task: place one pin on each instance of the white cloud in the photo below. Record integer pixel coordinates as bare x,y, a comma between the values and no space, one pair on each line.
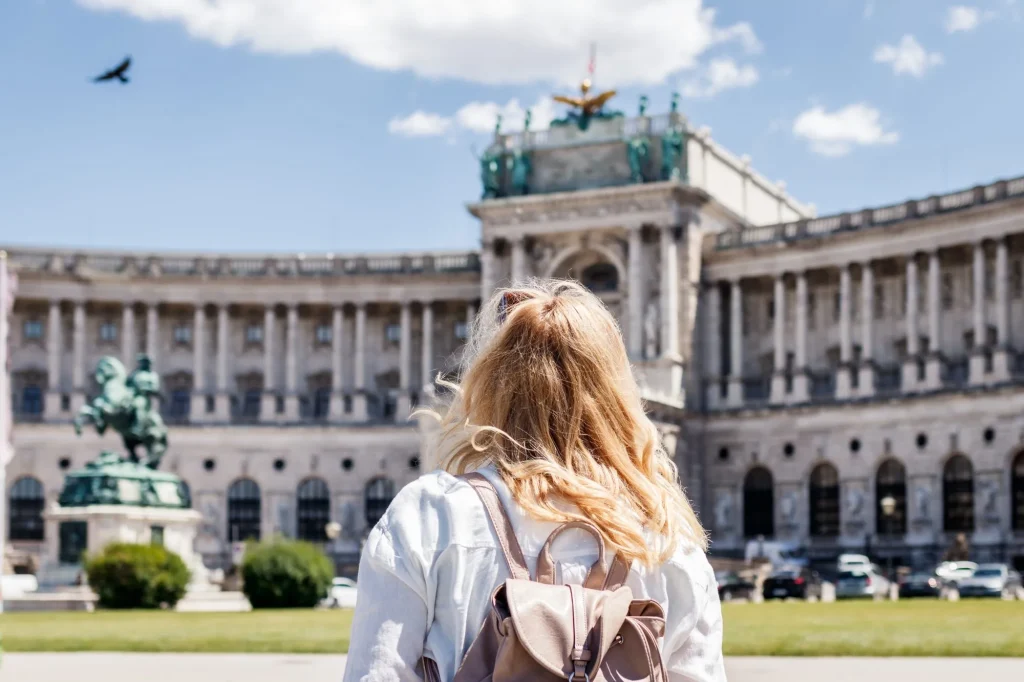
485,42
475,117
962,18
419,124
907,57
836,133
721,74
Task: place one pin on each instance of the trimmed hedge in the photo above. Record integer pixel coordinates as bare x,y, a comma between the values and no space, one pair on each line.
130,576
285,574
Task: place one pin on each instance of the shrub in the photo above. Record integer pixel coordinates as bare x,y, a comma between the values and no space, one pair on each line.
284,574
130,576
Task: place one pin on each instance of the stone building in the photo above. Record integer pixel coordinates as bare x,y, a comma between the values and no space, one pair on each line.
801,369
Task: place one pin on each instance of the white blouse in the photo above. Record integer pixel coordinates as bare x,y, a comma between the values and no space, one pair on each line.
430,565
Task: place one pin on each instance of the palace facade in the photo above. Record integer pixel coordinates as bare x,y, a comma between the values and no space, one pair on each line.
801,369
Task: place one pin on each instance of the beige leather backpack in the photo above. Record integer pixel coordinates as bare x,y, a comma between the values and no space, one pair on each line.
537,631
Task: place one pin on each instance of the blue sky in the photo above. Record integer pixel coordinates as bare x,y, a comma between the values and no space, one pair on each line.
322,125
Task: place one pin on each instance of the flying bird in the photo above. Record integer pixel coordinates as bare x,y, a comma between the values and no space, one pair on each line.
116,73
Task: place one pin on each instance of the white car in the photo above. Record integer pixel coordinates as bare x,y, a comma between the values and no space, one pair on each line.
852,562
862,583
991,580
342,594
956,571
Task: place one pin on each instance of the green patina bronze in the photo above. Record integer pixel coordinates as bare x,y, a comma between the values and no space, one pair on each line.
125,405
638,150
673,147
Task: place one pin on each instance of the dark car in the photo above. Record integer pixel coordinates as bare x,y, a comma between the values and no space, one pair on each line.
925,584
731,586
793,583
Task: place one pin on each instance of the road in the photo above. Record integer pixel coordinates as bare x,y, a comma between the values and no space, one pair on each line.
275,668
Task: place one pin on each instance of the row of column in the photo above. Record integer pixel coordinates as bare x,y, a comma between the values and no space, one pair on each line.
796,390
200,337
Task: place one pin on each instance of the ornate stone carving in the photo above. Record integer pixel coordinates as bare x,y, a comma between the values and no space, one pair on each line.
723,510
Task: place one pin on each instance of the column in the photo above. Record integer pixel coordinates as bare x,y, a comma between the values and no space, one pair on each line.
54,351
977,362
404,405
197,409
713,345
844,380
910,363
78,356
359,365
268,402
670,357
736,344
778,394
128,334
223,400
635,294
152,333
291,369
470,318
933,364
488,265
427,361
1001,357
801,393
866,380
337,377
518,260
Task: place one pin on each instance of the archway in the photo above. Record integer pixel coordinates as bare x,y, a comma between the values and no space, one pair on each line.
824,501
244,510
26,509
891,481
379,493
758,503
958,495
314,510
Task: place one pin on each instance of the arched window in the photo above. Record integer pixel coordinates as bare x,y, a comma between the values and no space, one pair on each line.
244,510
891,481
1017,496
824,499
958,495
379,493
600,277
314,510
758,503
27,503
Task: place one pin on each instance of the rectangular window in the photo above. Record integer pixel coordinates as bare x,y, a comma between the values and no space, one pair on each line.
156,535
254,333
33,330
182,334
108,332
461,330
393,333
324,334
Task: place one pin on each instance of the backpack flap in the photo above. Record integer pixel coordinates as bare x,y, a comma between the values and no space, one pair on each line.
545,621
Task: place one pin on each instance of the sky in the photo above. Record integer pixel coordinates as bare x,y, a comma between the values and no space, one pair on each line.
350,126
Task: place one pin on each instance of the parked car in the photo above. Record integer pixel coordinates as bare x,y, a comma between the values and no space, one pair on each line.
926,584
795,583
862,583
955,571
731,586
992,580
342,594
852,562
777,553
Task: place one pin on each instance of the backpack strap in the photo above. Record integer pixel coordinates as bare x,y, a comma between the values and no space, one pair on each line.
502,526
600,576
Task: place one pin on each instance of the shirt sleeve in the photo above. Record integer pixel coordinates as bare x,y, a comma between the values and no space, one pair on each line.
698,658
391,616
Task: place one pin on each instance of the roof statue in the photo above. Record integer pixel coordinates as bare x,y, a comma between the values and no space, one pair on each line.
586,107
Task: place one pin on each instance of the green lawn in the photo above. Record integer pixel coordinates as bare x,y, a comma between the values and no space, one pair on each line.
906,628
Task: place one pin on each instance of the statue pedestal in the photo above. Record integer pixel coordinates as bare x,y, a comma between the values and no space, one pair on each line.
89,529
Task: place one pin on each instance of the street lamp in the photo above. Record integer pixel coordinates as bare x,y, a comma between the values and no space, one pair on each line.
888,509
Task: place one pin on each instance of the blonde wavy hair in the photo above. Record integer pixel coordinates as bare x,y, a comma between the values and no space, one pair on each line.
548,397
